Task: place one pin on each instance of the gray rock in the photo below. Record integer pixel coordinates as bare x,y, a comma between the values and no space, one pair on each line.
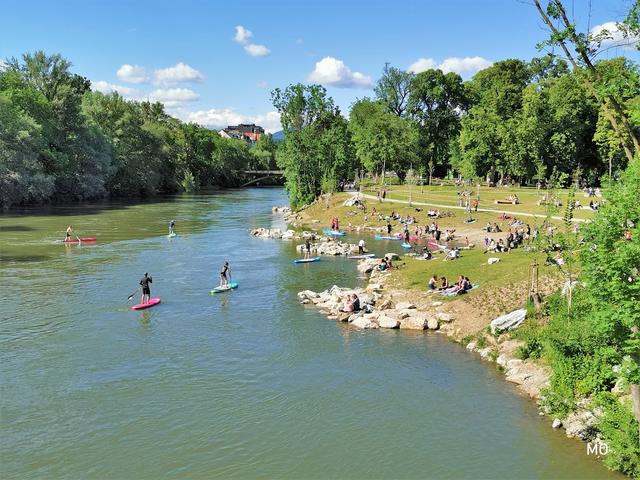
432,324
386,321
444,317
392,256
364,323
472,346
557,423
405,306
414,323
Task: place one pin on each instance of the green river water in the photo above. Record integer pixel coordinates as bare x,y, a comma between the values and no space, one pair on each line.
246,384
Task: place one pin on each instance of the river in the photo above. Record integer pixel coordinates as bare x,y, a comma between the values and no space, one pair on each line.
248,383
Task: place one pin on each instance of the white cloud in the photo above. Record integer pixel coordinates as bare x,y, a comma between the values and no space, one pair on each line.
461,66
466,65
220,118
132,73
614,37
173,97
262,84
180,72
331,71
422,64
242,35
106,87
256,50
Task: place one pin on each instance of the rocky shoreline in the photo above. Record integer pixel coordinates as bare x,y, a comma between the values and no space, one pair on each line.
387,307
320,244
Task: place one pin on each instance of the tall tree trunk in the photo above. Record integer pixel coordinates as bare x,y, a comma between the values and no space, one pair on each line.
622,132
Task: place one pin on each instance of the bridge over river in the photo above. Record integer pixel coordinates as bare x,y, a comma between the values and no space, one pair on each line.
256,176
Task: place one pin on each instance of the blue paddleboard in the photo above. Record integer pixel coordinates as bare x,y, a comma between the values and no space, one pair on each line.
230,286
306,260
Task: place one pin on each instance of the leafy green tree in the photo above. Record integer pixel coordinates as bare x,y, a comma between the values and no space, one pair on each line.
393,89
383,141
316,154
264,153
436,102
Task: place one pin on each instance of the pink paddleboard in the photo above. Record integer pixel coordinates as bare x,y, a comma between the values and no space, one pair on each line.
75,240
150,303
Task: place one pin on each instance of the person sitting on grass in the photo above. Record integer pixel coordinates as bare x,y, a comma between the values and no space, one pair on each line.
453,254
433,283
444,284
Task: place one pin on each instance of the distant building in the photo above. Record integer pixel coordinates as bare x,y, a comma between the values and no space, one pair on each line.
245,131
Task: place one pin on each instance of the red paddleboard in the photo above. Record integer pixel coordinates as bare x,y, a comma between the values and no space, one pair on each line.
150,303
75,240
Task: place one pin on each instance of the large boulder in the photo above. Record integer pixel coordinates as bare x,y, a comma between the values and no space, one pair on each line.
417,322
405,306
509,321
386,321
392,256
364,322
432,324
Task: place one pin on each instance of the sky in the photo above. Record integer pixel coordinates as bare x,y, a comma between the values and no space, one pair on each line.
216,62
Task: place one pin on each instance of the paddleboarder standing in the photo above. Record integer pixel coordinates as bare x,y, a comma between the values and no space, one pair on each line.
361,247
146,290
172,224
224,282
69,232
307,249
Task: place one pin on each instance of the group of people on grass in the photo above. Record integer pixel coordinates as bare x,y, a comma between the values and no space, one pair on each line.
461,286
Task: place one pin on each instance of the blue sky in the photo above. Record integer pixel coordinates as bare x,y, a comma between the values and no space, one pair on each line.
216,62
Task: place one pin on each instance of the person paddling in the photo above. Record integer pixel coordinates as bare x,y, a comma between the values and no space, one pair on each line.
172,224
361,245
146,291
307,248
224,282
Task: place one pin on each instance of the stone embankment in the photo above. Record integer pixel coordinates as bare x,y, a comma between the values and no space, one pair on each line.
383,307
320,245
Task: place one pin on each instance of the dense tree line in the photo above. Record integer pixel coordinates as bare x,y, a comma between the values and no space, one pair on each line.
514,121
59,140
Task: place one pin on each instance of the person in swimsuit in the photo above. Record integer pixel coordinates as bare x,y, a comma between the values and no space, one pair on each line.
146,291
172,224
224,282
307,249
69,232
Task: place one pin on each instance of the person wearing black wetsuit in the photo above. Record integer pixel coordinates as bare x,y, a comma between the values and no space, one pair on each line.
172,224
146,291
307,249
224,282
388,228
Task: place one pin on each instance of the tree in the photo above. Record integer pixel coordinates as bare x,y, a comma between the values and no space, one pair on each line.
436,102
383,141
316,154
585,46
393,89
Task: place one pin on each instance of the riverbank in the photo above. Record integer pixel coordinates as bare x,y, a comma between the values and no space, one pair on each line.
503,286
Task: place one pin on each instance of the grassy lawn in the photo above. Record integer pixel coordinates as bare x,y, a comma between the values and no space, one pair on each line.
513,267
447,195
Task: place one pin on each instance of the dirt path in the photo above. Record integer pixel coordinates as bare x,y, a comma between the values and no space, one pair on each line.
490,210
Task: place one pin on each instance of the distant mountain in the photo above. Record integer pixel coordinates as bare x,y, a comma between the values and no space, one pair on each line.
278,136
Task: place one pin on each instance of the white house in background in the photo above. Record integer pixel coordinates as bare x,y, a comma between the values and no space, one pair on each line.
224,134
